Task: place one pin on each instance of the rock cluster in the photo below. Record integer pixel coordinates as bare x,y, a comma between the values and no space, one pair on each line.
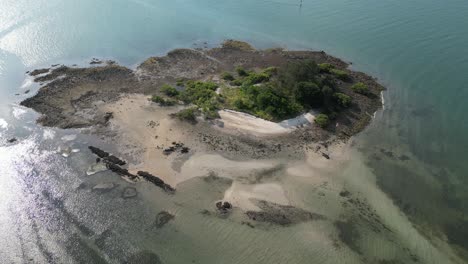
114,164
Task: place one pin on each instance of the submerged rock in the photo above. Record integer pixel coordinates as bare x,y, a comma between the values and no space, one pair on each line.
283,215
104,187
223,207
144,257
163,218
129,192
95,168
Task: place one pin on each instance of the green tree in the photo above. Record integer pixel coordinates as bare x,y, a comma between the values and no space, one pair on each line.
309,94
342,99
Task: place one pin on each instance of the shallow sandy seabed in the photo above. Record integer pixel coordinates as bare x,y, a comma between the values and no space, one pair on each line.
312,183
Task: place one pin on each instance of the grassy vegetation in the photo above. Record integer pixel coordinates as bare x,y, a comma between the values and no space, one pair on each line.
360,88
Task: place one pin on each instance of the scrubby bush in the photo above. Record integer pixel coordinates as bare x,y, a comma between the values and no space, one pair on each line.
340,74
227,76
270,71
360,88
180,82
169,90
163,101
342,99
322,120
188,114
236,82
241,71
325,67
254,78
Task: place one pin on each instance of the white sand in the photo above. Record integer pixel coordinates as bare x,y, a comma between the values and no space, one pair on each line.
233,121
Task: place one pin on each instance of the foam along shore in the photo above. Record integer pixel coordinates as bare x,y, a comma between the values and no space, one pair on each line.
234,121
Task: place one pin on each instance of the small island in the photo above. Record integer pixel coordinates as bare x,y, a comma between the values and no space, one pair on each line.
233,100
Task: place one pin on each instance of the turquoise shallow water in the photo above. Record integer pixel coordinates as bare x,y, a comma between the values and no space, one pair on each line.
418,50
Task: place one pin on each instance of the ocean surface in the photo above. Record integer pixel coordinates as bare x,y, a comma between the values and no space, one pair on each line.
415,151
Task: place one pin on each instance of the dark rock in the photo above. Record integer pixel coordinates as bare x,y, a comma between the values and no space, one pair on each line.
227,205
163,218
98,152
113,159
345,193
223,207
185,150
325,155
169,150
108,116
129,192
38,71
175,147
12,140
95,61
156,181
122,172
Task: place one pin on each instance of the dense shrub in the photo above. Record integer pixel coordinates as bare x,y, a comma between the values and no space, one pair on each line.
163,101
340,74
169,90
227,76
241,71
342,99
360,88
188,114
322,120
